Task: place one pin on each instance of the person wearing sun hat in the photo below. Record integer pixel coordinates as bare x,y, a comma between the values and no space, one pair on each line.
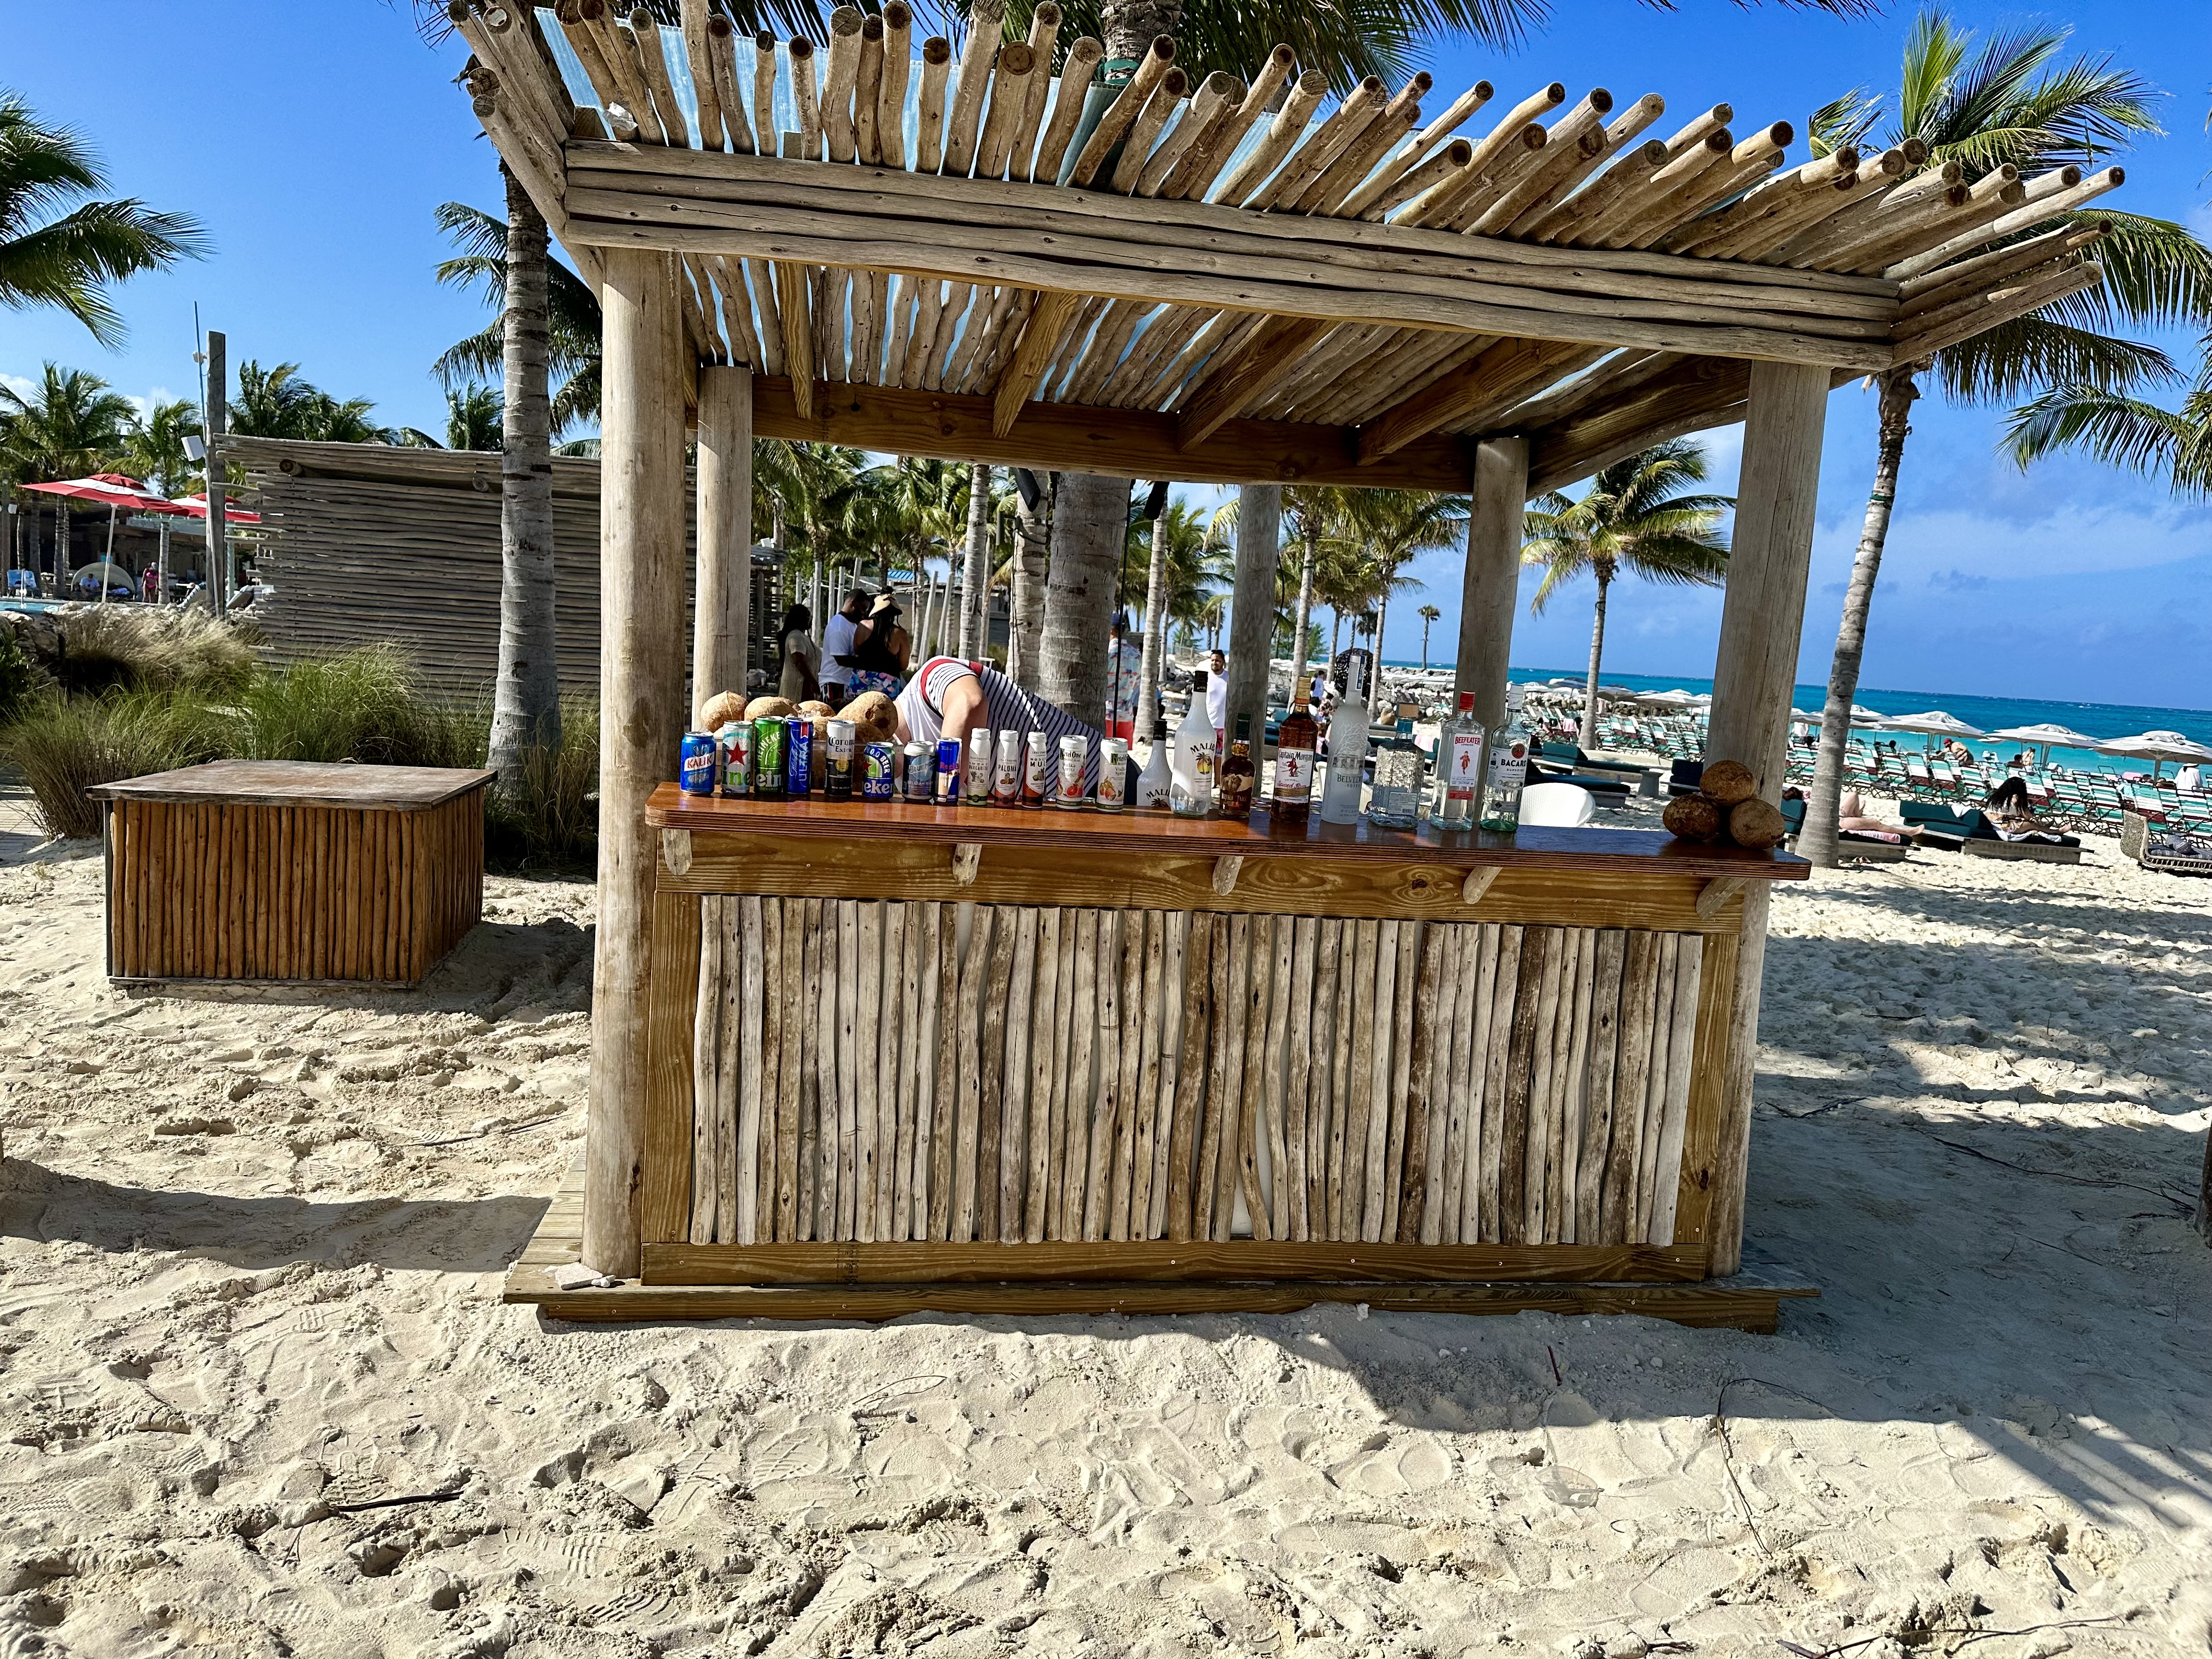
879,650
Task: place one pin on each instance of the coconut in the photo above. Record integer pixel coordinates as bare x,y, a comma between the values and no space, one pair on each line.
761,709
874,717
1728,782
718,710
1693,817
1757,824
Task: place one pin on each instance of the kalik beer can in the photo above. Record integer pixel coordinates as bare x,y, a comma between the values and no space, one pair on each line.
837,781
878,771
695,764
769,734
1006,770
735,747
799,755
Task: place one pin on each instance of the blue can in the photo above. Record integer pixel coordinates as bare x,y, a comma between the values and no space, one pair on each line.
920,775
948,772
878,771
799,755
695,764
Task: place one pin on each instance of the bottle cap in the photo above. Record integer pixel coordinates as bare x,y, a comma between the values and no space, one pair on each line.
1243,728
1467,702
1405,727
1198,680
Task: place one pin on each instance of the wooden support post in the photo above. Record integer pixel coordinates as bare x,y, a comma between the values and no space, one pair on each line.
720,622
1488,589
641,704
1479,881
1713,896
966,856
1252,608
1225,869
676,851
1757,668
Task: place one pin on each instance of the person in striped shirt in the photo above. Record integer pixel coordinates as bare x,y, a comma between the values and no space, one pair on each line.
948,698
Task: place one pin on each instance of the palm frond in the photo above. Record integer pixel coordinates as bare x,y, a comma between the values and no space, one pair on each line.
2015,359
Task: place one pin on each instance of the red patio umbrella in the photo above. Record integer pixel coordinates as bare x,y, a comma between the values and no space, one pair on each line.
116,493
196,505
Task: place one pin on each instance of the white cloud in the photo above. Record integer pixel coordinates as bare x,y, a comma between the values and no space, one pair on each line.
18,384
1958,548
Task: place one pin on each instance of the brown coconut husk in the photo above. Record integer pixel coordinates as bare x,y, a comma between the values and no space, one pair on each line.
720,709
1757,824
1695,818
1728,782
874,717
761,709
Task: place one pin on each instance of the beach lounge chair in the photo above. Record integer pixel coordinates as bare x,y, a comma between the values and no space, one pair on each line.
2162,847
1982,840
1942,827
1547,765
1850,842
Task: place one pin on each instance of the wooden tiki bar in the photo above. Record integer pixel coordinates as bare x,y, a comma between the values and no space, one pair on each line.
854,1059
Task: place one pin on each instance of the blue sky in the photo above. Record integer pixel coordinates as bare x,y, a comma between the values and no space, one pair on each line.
315,142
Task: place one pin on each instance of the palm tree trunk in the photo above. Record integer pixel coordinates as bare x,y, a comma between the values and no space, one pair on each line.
1375,677
1588,738
1156,584
1032,565
1335,632
1424,645
1303,620
1088,522
976,604
1818,841
527,696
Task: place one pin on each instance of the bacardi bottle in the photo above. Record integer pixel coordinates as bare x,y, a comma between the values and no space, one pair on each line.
1508,771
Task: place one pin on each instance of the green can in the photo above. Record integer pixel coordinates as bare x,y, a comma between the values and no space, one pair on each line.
769,740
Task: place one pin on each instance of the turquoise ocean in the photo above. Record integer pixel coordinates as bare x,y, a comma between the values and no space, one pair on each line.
2092,720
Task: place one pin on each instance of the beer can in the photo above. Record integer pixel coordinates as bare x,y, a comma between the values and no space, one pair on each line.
878,771
733,746
1113,774
1074,753
978,789
920,775
1006,770
695,764
799,755
948,772
1036,770
838,781
769,734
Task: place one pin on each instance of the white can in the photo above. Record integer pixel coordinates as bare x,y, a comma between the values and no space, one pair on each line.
1036,769
1007,773
1074,752
1113,774
978,789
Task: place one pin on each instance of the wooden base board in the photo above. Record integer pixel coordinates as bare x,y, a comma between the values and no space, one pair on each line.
1745,1302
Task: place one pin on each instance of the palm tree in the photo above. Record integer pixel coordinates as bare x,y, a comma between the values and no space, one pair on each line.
1637,516
473,421
1393,526
2124,430
70,426
2010,100
1428,614
154,450
572,317
69,261
282,403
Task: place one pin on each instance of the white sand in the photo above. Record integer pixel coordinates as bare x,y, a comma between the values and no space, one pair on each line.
250,1245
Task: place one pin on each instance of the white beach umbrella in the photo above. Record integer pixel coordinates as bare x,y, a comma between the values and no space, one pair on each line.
2157,747
1934,724
2044,735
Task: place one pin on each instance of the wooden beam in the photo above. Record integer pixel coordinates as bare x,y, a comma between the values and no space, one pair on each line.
641,703
721,622
1499,379
793,310
1048,319
1576,445
1269,358
1490,582
1069,437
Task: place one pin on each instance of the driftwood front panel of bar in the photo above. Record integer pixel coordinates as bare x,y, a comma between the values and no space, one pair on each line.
1105,1055
265,870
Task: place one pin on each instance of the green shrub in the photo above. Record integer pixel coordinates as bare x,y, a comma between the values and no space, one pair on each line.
20,679
63,749
551,817
105,647
362,705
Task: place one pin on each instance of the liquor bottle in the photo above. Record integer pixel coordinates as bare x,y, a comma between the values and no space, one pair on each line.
1396,803
1153,783
1347,754
1508,771
1291,799
1236,773
1459,768
1191,766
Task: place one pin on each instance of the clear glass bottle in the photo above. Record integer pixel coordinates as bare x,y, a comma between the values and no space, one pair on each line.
1191,766
1459,768
1396,802
1347,753
1507,773
1236,773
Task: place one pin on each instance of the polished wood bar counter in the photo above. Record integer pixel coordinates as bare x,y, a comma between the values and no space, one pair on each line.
968,1057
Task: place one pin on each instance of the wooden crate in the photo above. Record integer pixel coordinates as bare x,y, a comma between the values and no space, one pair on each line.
265,870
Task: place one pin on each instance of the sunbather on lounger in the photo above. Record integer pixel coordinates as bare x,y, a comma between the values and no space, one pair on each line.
2011,819
1852,817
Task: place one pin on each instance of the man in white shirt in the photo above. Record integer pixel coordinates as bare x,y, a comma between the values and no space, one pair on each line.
1217,691
837,642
